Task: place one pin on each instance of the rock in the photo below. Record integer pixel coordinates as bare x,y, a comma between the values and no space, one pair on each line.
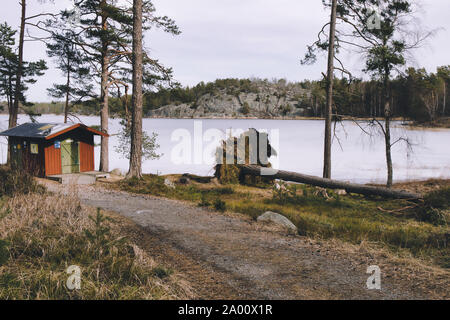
276,218
117,172
263,99
341,192
169,183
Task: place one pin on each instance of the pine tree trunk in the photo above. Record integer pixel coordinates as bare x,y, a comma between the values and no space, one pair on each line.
13,112
127,110
387,132
66,107
387,137
13,109
329,107
104,113
136,123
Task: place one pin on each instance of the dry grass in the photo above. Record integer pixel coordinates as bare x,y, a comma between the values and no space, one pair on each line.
44,234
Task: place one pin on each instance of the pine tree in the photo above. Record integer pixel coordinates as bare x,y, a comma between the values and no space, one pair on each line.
136,124
70,60
104,31
379,35
9,68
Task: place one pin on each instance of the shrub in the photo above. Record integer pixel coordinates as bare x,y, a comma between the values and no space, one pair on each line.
245,108
4,252
435,208
204,202
220,205
432,215
15,182
439,199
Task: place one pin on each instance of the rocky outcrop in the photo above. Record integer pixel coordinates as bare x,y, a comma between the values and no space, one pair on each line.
264,100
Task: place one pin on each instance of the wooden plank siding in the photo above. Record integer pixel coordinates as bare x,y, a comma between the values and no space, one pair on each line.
33,163
23,159
86,156
52,160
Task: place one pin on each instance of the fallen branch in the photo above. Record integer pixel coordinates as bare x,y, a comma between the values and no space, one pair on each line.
331,184
397,211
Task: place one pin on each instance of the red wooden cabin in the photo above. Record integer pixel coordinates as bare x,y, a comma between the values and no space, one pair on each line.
45,149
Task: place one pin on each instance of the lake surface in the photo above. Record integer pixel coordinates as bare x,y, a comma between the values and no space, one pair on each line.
187,145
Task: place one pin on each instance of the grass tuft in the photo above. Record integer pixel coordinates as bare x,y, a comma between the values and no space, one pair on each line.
13,182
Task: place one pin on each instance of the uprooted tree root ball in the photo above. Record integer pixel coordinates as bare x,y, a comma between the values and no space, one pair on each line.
248,148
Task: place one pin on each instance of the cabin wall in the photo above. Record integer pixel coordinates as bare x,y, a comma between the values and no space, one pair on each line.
86,151
52,159
23,157
87,155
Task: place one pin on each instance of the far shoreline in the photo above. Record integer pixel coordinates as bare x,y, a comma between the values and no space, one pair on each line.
443,123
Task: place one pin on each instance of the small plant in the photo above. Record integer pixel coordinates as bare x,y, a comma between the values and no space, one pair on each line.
161,272
283,192
100,236
220,205
204,202
149,144
4,252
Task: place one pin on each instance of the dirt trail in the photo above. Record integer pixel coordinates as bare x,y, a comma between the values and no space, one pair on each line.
230,256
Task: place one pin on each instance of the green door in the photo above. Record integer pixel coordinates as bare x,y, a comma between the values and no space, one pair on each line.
70,158
16,155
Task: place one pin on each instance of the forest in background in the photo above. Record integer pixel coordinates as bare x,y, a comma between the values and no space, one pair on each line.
416,95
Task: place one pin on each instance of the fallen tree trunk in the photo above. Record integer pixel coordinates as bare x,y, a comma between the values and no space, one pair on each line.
332,184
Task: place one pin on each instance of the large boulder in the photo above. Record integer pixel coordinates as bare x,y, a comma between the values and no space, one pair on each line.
117,172
278,219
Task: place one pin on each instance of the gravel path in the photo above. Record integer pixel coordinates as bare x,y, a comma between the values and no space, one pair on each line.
236,257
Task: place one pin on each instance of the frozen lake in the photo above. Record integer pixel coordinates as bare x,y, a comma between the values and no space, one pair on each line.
299,143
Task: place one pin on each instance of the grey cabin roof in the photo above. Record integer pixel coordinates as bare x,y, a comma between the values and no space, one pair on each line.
44,130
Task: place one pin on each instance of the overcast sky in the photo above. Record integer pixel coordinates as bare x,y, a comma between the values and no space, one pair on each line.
239,38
